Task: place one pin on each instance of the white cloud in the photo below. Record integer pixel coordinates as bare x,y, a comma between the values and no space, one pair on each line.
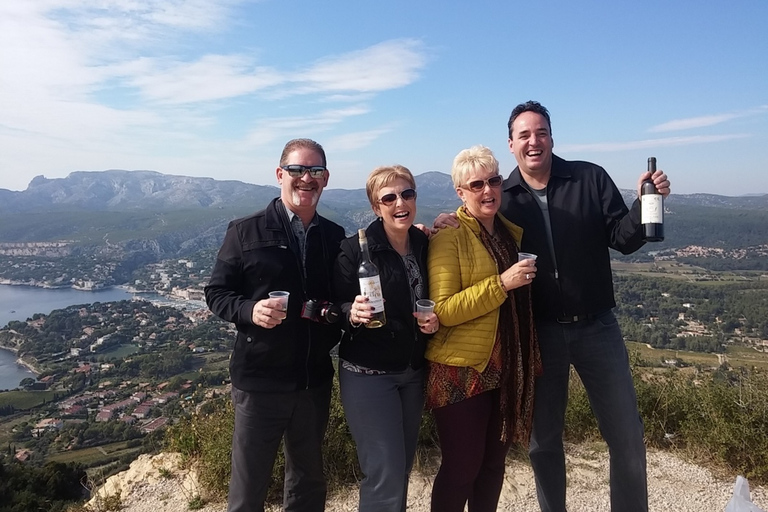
273,129
121,82
212,77
694,122
388,65
704,121
650,143
384,66
355,140
136,17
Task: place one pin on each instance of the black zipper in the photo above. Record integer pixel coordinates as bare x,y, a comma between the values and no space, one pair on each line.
414,326
293,245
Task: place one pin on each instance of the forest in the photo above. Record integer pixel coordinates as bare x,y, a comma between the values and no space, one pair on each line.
660,312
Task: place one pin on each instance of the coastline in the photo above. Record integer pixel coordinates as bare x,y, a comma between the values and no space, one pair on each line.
154,296
21,362
29,366
46,286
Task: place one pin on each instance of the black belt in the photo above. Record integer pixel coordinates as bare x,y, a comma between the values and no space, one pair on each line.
575,318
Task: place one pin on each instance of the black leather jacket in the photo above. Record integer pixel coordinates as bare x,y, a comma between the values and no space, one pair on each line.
588,215
399,343
259,255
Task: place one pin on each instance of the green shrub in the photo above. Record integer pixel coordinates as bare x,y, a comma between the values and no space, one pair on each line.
728,419
196,503
206,439
720,417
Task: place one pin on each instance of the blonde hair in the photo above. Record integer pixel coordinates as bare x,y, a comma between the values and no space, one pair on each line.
472,159
380,177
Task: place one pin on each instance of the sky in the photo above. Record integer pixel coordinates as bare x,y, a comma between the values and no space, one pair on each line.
214,88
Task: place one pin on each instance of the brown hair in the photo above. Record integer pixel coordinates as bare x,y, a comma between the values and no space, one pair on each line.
380,177
293,145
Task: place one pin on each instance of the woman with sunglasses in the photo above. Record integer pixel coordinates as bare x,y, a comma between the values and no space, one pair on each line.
483,361
381,370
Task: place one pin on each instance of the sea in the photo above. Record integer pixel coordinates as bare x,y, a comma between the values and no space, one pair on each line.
21,302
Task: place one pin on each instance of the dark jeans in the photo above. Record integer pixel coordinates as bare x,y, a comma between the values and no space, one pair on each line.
596,350
384,415
261,421
473,457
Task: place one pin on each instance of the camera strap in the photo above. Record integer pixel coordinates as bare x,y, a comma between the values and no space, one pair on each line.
293,244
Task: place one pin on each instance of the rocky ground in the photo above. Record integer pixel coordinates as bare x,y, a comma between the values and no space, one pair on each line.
156,484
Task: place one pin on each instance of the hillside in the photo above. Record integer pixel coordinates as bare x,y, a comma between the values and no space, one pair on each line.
126,219
138,204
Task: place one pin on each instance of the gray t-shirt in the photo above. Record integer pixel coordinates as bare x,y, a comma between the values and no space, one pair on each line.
541,198
301,234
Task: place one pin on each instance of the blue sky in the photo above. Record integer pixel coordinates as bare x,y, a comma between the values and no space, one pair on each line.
216,87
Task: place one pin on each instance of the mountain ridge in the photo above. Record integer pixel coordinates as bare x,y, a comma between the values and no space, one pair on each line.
142,216
117,190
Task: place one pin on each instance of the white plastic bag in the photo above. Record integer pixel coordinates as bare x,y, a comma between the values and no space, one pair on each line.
741,502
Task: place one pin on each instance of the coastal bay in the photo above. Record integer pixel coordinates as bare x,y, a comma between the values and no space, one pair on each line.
11,373
21,302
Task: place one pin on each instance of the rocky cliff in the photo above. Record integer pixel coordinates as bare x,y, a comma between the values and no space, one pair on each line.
158,484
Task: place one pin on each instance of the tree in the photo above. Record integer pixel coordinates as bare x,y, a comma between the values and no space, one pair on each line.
27,383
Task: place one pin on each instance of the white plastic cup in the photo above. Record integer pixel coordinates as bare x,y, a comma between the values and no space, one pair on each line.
423,308
526,256
282,297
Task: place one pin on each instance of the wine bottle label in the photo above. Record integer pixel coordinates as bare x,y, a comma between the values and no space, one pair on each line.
651,209
371,287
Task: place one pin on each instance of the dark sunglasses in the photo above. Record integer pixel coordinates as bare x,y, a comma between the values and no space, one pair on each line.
389,199
479,185
297,171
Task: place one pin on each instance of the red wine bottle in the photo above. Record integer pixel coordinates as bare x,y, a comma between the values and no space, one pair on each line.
651,207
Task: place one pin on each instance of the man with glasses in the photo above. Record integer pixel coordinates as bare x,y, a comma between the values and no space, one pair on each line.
571,213
280,366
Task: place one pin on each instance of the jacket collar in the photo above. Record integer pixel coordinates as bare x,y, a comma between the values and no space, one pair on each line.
560,169
273,215
474,225
377,237
277,217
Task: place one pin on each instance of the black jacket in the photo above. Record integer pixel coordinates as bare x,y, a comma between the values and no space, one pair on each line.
260,254
588,215
399,343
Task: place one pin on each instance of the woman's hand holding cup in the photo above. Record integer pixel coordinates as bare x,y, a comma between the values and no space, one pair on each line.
521,273
426,317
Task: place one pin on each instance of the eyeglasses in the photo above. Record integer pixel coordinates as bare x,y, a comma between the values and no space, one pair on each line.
389,199
479,185
297,171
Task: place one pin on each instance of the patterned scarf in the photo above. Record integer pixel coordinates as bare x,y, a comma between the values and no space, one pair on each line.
521,361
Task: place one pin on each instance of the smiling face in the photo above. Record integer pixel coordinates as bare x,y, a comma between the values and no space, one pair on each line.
484,203
532,144
399,215
300,195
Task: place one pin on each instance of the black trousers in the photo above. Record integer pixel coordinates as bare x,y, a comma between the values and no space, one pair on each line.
261,421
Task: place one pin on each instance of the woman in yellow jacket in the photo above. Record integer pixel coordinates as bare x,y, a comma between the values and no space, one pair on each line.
483,361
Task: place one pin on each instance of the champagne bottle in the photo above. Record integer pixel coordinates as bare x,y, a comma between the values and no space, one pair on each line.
370,284
651,207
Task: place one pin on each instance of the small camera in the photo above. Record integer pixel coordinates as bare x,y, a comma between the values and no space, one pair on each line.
321,311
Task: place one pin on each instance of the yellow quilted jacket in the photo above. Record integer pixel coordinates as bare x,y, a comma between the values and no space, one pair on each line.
466,288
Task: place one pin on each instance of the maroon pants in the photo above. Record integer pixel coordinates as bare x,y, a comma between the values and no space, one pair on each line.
473,457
